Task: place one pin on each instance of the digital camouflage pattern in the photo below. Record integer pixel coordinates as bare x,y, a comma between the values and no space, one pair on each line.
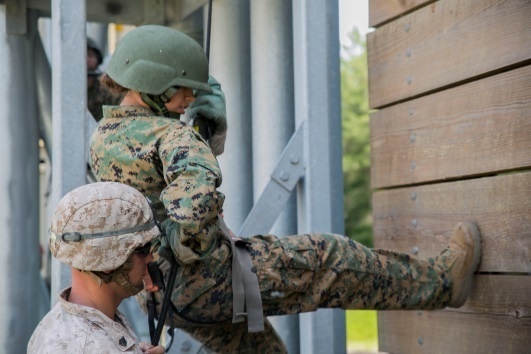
168,162
69,328
161,156
100,207
300,274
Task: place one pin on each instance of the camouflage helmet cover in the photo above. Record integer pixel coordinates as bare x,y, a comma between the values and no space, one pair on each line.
151,59
98,209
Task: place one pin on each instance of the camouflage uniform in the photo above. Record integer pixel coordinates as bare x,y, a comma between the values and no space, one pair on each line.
70,328
168,162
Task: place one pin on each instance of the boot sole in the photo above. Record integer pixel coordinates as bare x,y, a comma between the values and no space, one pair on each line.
461,298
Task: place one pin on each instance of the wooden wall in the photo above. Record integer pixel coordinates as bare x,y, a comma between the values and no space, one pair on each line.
450,83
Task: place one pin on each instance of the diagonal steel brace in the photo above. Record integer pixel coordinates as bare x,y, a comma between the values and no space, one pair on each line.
285,176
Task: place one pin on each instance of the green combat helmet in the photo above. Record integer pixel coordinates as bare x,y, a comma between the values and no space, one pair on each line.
155,61
95,228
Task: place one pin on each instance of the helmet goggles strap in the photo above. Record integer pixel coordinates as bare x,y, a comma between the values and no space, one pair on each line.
76,236
157,102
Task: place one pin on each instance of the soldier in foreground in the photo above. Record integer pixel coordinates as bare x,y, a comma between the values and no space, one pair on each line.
142,143
104,232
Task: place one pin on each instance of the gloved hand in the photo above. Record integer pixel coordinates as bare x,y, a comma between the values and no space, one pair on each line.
212,107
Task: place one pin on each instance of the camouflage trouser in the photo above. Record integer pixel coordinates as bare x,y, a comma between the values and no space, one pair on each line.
300,274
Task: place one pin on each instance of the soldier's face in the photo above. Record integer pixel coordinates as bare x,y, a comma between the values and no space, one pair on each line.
139,270
92,59
181,100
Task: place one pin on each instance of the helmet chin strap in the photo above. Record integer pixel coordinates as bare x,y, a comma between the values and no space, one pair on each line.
157,103
120,276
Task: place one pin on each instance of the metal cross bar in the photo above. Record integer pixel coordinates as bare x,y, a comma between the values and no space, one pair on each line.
286,174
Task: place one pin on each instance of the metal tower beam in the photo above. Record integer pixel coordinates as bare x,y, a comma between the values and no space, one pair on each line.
132,12
19,182
230,65
317,101
69,102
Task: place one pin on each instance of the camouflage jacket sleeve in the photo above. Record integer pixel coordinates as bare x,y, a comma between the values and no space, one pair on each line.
191,200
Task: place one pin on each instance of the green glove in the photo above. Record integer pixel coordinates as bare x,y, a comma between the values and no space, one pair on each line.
171,245
212,107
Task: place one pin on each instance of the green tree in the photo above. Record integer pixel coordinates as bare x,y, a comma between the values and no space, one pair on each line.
356,147
362,332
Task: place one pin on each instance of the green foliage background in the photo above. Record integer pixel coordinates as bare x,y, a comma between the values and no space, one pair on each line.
356,147
362,332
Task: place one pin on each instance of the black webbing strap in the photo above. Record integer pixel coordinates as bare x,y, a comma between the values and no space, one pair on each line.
245,287
209,30
152,314
165,303
171,330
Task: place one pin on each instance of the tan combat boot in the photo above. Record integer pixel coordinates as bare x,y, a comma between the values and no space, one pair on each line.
462,257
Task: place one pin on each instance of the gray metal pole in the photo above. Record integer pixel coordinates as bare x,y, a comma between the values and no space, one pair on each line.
317,100
230,65
273,118
45,30
19,188
273,113
43,83
69,102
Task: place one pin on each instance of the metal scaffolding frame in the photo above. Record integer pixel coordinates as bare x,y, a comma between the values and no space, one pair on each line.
280,73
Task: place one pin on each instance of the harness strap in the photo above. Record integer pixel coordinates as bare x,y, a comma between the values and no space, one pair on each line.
152,314
166,302
154,333
245,287
238,291
171,330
